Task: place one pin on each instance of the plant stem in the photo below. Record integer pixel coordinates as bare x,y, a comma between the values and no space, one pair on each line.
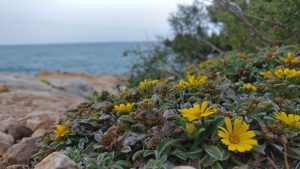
285,142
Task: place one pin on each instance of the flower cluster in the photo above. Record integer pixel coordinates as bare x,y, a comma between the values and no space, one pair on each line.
126,108
207,62
279,72
290,119
249,86
290,59
147,83
192,81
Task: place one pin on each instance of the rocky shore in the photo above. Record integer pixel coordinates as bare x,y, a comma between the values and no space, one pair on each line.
30,105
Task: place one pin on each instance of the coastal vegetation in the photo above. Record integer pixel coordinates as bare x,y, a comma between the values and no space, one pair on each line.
206,98
231,110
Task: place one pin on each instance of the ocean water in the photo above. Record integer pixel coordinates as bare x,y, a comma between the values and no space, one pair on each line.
98,58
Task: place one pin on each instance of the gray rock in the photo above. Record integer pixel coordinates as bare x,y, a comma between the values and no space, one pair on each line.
1,165
3,148
39,133
42,119
56,160
18,131
24,82
6,141
6,121
6,138
20,153
17,167
75,86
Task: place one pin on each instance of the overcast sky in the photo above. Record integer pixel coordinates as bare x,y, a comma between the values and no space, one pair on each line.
63,21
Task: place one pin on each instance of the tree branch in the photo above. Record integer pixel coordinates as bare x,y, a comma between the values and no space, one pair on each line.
240,16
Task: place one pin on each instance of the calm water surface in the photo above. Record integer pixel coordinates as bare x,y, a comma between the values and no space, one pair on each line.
99,58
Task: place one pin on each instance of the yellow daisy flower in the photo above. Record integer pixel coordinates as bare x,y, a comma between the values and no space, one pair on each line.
60,131
197,112
236,136
207,62
194,81
290,59
190,128
197,81
124,108
280,72
146,100
249,86
146,83
182,84
286,72
289,119
266,74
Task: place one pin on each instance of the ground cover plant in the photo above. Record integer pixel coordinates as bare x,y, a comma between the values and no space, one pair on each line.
237,109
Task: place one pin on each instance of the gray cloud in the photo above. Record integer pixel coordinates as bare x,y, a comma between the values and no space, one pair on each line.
62,21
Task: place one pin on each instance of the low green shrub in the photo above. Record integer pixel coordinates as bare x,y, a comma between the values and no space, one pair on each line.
232,110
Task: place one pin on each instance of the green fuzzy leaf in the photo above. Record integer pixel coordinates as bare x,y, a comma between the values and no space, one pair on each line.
199,135
123,163
278,147
126,118
70,111
294,153
209,161
180,154
218,121
96,97
165,143
216,165
216,153
147,153
126,149
260,148
195,153
236,160
137,154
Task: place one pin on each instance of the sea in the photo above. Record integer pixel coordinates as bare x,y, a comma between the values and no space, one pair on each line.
97,58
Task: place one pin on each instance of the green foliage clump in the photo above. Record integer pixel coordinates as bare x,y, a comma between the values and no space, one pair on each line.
248,25
160,129
200,30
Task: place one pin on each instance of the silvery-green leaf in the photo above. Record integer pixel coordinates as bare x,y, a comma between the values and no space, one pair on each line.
98,136
126,149
216,153
131,139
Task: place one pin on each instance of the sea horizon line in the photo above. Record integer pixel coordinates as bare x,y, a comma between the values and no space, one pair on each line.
75,43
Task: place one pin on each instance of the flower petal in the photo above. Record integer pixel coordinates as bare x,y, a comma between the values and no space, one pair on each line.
228,125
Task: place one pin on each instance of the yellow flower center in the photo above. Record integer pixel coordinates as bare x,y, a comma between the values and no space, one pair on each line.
234,139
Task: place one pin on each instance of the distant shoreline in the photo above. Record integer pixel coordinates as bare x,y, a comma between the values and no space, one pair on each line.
98,82
63,72
75,43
